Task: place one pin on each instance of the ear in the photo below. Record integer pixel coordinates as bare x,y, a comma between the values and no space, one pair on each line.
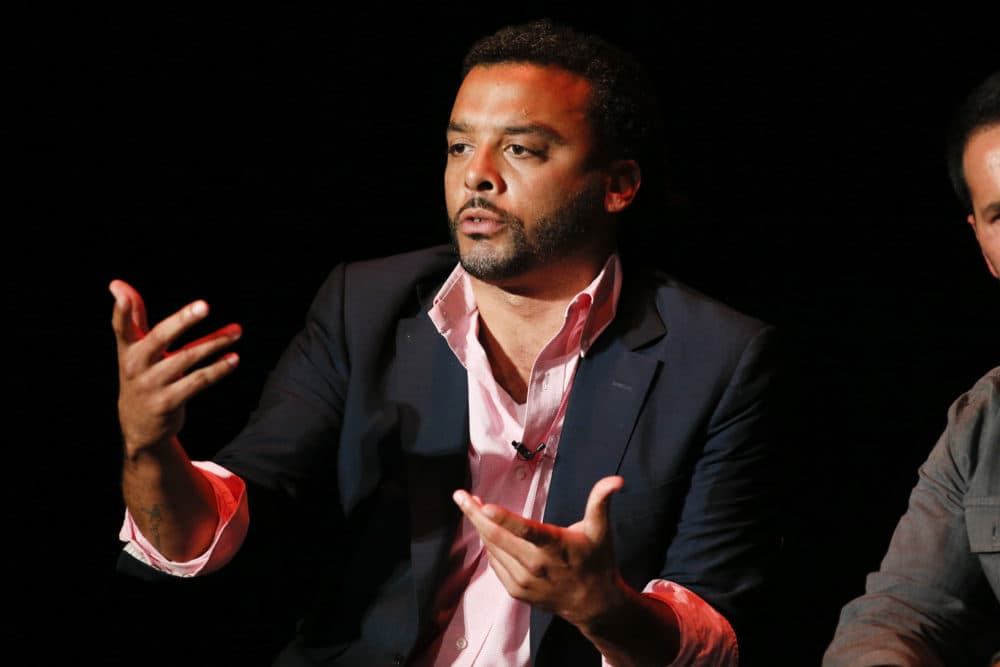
621,185
972,221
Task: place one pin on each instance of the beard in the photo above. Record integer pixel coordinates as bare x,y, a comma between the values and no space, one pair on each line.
559,234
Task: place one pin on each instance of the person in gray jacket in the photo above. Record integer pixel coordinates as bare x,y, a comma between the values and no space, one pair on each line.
935,599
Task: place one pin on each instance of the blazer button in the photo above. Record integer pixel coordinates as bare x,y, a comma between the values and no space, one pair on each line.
397,659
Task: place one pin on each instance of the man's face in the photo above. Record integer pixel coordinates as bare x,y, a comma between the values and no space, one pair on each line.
521,194
981,164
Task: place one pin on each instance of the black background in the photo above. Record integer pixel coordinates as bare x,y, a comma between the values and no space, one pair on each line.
237,154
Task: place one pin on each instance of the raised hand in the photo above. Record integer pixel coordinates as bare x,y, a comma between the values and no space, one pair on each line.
571,572
172,504
567,571
154,382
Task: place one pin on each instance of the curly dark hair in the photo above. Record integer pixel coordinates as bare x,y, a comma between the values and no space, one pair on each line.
979,110
623,108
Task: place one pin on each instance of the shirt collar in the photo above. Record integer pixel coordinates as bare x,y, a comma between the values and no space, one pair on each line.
592,309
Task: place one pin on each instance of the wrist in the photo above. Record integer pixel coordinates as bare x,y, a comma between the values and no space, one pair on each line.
615,602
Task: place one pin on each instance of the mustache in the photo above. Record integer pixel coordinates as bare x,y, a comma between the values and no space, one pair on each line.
485,204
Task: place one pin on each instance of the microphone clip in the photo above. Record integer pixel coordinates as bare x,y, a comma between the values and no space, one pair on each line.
524,452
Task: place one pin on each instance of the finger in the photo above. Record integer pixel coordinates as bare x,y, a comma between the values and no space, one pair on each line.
537,533
199,380
488,530
227,334
595,517
532,575
163,335
128,318
175,364
507,561
506,530
176,394
512,574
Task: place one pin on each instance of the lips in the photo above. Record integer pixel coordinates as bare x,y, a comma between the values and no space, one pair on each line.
478,221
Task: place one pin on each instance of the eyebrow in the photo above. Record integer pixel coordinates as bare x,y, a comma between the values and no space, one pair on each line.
530,129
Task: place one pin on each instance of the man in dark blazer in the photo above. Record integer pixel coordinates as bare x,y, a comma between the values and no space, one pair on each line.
521,448
935,599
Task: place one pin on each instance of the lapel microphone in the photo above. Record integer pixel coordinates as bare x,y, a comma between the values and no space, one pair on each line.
524,452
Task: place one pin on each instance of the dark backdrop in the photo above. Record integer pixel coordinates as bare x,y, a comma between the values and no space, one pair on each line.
236,155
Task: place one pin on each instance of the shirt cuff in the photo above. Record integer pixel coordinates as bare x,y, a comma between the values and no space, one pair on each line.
234,518
707,639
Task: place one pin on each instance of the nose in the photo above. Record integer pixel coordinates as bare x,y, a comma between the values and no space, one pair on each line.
482,173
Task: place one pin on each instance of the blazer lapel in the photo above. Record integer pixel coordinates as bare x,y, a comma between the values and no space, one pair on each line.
610,385
430,388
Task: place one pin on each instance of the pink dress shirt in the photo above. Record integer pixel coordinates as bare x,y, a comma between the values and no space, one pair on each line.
480,624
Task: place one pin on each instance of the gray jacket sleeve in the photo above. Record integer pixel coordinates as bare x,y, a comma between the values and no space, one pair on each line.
934,599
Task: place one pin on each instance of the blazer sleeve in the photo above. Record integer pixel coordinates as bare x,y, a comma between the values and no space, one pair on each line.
728,534
294,429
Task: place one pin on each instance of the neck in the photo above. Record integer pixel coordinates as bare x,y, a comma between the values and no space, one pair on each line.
517,323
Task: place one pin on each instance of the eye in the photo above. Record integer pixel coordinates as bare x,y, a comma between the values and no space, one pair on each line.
457,149
518,150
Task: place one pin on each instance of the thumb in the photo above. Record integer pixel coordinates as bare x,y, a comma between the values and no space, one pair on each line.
130,311
595,517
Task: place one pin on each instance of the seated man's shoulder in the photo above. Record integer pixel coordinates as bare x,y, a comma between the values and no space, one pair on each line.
686,307
429,259
974,417
989,383
402,282
981,400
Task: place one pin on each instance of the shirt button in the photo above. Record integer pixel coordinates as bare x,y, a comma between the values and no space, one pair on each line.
520,472
461,643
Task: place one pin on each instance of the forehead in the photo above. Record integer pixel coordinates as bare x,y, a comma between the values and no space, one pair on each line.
516,93
981,163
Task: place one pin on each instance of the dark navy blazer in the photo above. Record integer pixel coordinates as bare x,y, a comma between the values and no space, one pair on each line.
365,416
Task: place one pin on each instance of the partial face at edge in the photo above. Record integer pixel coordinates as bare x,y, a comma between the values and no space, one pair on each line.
981,164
